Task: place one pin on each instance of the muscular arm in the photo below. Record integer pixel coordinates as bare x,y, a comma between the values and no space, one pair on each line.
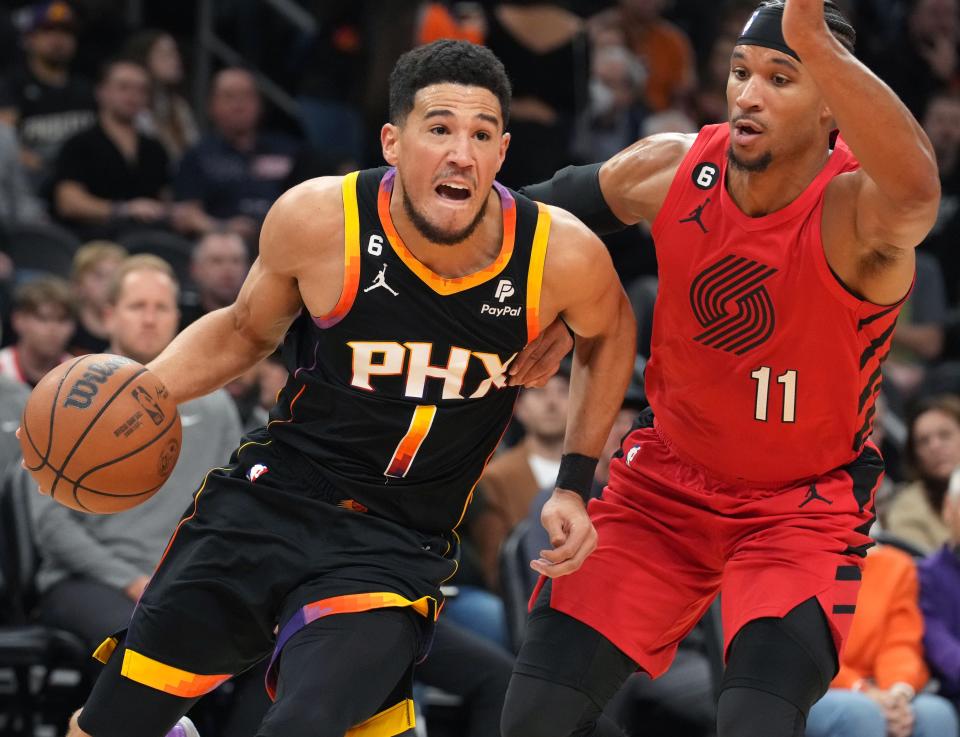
300,228
876,216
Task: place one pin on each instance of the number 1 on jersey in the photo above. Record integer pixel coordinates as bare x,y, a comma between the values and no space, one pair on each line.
408,446
789,381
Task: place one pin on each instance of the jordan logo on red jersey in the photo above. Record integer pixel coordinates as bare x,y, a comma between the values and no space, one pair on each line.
731,302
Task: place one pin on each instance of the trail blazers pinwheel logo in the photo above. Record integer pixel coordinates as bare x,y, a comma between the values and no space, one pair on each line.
730,301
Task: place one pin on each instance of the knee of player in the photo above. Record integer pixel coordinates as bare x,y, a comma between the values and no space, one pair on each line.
538,708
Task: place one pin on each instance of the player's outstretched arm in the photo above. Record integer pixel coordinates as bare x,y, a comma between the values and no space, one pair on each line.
627,188
298,233
581,286
874,217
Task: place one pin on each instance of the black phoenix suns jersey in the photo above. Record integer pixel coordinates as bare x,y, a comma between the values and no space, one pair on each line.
398,397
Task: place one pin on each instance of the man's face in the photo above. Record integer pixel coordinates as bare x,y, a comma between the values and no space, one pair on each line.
235,103
776,111
125,92
219,267
932,19
94,286
942,124
144,319
45,332
543,412
54,45
447,152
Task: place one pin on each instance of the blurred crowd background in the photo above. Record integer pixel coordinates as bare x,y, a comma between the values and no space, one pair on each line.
141,145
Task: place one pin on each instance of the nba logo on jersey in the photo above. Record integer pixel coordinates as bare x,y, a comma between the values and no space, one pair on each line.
504,290
632,454
256,471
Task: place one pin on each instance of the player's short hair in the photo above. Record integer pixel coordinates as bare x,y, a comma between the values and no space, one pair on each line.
47,290
90,254
457,62
141,262
837,22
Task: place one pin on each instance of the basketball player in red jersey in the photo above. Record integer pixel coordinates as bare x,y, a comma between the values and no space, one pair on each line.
402,294
784,255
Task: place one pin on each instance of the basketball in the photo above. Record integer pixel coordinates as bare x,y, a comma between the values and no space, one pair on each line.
100,434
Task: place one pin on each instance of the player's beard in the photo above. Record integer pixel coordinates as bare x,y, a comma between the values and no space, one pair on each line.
759,164
434,234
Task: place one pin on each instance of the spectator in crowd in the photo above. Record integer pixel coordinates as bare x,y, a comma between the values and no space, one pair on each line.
515,476
96,566
255,392
18,204
924,59
940,600
882,671
43,319
613,119
218,267
43,99
919,335
663,48
94,265
232,176
13,398
942,125
545,49
933,451
111,176
169,117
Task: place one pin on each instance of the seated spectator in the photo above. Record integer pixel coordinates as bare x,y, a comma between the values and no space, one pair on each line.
940,601
43,99
218,267
515,476
18,204
93,268
13,398
96,566
932,451
168,117
111,176
233,175
882,671
43,320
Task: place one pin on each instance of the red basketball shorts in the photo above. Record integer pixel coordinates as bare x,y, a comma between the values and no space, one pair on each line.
671,538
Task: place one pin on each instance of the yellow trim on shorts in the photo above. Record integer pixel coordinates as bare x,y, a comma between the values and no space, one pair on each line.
397,719
162,677
105,649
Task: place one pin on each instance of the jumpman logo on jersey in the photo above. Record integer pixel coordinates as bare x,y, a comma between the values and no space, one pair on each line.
696,214
814,495
381,281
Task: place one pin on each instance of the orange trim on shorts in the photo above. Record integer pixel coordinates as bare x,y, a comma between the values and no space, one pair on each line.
392,721
538,256
351,255
162,677
440,284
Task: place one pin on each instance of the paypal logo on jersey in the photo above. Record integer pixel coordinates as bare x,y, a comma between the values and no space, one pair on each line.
504,291
500,311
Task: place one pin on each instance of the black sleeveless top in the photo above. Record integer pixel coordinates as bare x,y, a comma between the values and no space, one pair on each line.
398,398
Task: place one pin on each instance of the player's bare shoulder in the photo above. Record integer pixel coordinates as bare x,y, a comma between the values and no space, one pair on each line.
635,181
305,224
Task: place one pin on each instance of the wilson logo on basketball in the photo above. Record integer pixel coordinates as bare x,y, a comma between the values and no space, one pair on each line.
85,388
730,301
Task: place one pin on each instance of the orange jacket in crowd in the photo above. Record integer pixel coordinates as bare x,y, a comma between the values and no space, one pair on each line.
886,637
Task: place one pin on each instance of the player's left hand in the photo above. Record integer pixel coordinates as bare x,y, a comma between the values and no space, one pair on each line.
803,21
541,358
571,532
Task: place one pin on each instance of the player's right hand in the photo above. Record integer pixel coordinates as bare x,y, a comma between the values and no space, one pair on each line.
571,532
541,358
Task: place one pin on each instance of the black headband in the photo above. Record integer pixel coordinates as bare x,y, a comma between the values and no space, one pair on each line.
764,29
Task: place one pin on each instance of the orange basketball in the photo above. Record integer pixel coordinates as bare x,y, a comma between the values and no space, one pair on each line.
100,434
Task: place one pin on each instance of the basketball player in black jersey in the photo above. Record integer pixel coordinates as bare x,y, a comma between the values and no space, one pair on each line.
402,295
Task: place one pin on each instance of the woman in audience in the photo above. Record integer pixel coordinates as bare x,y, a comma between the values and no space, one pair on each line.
882,671
169,117
933,451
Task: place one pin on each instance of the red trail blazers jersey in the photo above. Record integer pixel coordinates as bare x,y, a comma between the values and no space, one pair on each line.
764,367
398,397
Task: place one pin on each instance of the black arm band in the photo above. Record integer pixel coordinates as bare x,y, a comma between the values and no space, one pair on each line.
577,190
576,473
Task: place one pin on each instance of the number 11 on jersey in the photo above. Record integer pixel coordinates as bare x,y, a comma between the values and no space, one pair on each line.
789,381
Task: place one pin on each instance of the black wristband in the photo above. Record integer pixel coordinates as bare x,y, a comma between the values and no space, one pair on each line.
577,189
576,473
